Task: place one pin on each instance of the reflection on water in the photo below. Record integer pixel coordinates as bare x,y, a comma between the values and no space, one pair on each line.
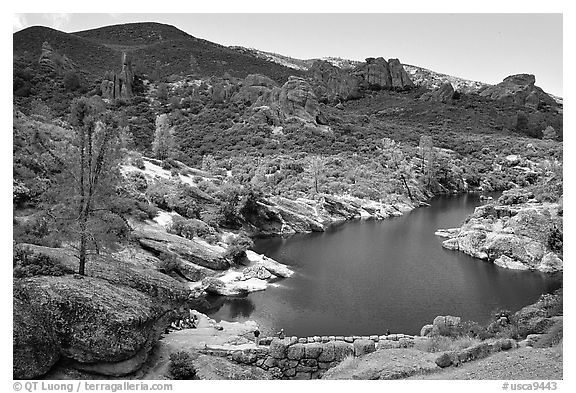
364,277
235,306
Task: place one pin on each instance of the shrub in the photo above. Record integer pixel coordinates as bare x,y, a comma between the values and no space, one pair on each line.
137,161
20,193
236,251
28,264
555,240
169,195
146,211
552,337
181,366
71,81
36,230
188,228
168,262
442,343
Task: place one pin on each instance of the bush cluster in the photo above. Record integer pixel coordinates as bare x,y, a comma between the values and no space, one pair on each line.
236,251
174,196
189,228
28,264
181,365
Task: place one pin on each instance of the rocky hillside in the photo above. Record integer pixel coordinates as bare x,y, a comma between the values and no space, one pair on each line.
157,50
216,145
420,76
433,80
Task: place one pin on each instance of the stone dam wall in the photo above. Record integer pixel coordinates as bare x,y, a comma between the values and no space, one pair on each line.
309,357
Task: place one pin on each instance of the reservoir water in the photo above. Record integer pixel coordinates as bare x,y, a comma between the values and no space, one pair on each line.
365,277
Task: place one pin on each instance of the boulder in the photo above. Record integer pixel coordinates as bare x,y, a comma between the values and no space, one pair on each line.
107,321
509,263
399,76
313,350
297,99
328,353
253,87
342,350
363,347
36,346
295,352
331,83
375,73
444,93
516,89
444,360
426,330
196,252
95,321
474,352
505,344
532,339
278,348
550,263
444,325
447,320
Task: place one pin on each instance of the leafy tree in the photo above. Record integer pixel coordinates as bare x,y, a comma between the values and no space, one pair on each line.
84,202
163,144
39,108
162,92
549,133
209,163
71,81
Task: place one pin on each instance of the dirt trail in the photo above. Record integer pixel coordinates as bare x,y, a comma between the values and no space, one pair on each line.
524,363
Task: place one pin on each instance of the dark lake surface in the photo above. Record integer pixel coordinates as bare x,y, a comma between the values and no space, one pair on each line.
363,277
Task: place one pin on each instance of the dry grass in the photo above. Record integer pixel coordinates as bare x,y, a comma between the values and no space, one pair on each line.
441,344
349,363
552,337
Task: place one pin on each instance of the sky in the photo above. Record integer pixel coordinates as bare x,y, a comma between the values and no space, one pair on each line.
481,47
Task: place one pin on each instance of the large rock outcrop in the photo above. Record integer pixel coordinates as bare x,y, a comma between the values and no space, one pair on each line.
377,73
444,94
294,100
280,215
222,90
119,85
52,61
253,87
331,83
400,78
510,236
105,322
520,90
35,343
195,252
297,99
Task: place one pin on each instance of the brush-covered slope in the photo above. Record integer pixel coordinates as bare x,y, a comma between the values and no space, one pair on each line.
155,48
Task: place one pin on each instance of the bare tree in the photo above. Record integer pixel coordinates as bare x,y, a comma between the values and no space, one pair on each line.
397,162
428,158
316,169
